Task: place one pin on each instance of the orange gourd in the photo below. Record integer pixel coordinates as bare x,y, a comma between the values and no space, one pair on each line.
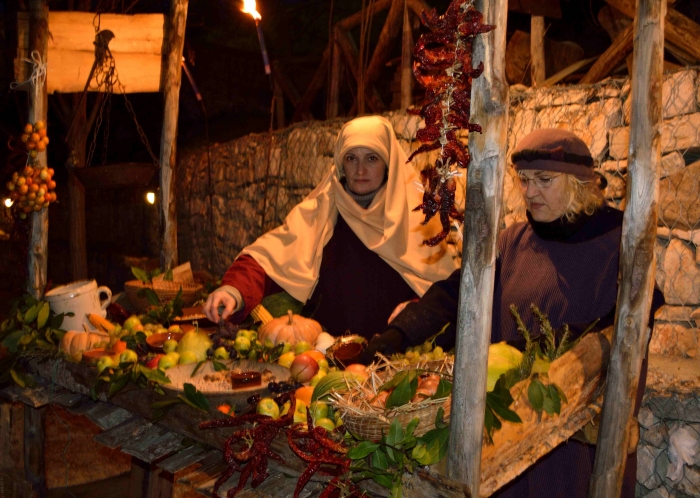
290,329
75,342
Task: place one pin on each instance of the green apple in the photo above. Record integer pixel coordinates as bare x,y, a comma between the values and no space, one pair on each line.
338,420
286,359
251,335
323,365
187,357
131,322
300,412
221,353
168,361
319,410
174,328
285,408
242,344
326,423
269,344
137,328
301,347
267,406
287,347
128,356
169,346
316,378
104,362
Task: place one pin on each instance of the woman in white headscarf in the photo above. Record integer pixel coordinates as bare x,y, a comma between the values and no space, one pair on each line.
352,249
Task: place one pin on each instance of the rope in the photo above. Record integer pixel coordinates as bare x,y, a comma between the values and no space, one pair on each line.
38,76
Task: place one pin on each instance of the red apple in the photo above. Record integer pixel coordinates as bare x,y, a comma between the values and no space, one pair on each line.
303,368
153,362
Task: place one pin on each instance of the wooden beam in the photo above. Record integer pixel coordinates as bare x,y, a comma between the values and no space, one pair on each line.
285,83
556,78
489,108
37,252
637,267
334,84
537,74
680,30
387,37
611,58
176,22
34,466
406,54
356,18
314,86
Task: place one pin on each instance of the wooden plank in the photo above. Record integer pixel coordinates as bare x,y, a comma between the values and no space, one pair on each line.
537,75
68,399
637,267
153,444
75,31
176,22
83,407
489,108
107,415
34,467
123,433
611,58
211,467
334,83
6,436
283,80
67,73
556,78
37,255
183,459
116,175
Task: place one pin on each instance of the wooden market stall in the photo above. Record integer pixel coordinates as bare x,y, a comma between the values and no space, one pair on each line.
472,468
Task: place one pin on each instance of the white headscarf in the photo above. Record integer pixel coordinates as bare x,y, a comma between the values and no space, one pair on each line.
291,254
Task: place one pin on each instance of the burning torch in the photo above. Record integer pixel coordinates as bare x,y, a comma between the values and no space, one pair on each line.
249,7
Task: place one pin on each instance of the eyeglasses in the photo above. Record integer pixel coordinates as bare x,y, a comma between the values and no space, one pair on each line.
538,181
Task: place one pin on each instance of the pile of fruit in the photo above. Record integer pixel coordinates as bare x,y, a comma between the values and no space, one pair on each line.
33,187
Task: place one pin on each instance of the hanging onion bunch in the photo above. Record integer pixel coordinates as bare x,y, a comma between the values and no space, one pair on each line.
443,65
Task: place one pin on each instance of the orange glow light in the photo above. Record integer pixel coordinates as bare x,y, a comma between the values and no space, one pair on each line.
249,7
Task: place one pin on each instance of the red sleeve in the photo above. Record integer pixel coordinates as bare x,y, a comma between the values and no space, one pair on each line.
246,275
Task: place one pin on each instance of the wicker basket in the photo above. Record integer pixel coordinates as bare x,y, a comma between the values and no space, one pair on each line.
132,287
167,291
371,423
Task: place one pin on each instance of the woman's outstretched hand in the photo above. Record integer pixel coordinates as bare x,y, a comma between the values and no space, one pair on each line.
219,300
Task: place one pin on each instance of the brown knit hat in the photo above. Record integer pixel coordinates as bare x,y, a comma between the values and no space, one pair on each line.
553,149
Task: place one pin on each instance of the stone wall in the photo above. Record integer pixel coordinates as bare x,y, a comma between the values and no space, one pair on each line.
254,181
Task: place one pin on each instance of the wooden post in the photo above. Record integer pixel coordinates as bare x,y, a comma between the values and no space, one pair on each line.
34,468
38,105
177,19
483,207
334,84
537,51
279,102
637,265
406,69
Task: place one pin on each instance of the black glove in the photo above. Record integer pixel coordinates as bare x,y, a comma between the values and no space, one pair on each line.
387,343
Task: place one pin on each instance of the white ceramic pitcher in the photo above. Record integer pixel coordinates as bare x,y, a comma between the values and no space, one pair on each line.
81,298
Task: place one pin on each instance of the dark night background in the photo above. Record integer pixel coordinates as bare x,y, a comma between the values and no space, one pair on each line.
222,49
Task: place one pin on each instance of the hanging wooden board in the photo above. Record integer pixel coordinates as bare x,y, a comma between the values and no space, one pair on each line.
136,47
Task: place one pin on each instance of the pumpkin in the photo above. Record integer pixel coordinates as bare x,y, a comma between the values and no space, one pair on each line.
290,329
74,342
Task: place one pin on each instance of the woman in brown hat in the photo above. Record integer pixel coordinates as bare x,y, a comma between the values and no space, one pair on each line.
564,259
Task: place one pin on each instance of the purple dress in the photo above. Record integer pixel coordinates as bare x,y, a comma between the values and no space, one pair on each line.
569,270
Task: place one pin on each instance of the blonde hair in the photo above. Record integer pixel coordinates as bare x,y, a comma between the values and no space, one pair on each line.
584,197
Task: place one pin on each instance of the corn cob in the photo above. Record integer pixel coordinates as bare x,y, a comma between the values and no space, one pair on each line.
260,314
101,323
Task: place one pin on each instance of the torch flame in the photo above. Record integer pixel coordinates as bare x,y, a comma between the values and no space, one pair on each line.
249,7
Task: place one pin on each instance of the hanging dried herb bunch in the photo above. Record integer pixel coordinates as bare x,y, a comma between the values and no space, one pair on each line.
443,65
